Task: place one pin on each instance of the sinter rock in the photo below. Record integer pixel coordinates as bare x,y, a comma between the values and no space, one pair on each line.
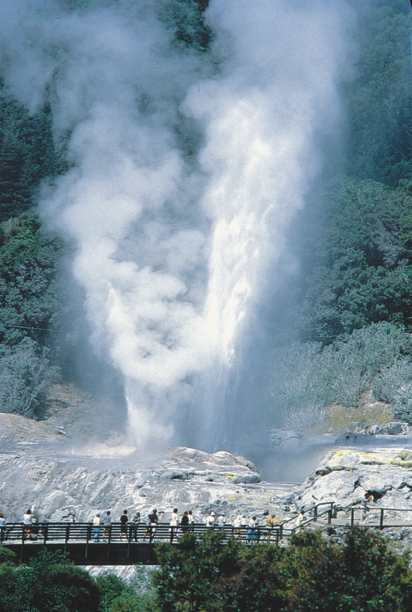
184,478
347,476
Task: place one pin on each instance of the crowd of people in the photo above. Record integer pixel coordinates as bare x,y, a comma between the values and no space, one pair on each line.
136,528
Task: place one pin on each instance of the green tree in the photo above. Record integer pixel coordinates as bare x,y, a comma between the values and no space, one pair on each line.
48,584
192,575
380,96
28,295
363,265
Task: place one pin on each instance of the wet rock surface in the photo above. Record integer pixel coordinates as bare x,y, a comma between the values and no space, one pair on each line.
55,484
348,476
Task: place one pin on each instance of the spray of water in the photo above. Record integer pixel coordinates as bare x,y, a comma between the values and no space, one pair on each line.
173,253
276,92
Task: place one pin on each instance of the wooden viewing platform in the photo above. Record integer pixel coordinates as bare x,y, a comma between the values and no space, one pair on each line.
86,544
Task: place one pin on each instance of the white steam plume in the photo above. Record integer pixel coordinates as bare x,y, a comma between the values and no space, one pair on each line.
116,84
278,89
130,203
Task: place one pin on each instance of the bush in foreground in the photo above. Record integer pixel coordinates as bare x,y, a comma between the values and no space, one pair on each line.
363,573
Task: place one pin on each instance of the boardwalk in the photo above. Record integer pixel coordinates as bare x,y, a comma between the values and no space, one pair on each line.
117,545
86,544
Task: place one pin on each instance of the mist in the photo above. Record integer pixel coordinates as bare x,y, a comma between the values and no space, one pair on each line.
181,250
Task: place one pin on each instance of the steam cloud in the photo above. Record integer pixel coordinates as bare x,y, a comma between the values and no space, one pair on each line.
171,250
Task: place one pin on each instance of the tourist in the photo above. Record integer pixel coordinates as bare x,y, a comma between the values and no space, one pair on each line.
272,522
237,525
136,521
124,519
96,527
153,522
184,523
107,522
211,520
252,534
174,521
27,522
221,521
2,526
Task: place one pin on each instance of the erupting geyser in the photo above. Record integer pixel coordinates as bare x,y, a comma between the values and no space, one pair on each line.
173,244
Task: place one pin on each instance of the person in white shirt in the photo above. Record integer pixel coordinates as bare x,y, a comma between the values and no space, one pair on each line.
211,520
220,520
237,524
174,522
97,521
27,521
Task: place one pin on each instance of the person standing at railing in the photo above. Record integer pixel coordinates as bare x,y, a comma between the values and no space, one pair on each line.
174,522
211,520
124,519
135,523
271,523
184,523
153,523
252,534
107,524
96,527
238,523
27,522
2,526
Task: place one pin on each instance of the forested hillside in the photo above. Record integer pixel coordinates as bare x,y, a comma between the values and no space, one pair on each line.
354,306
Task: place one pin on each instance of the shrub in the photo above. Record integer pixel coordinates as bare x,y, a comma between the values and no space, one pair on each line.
394,385
309,377
25,374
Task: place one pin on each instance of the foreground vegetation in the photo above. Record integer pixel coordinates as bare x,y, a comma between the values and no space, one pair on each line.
362,573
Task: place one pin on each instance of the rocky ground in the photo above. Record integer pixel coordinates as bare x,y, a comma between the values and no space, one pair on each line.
55,483
48,465
348,476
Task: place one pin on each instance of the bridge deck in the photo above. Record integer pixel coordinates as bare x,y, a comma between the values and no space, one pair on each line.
86,544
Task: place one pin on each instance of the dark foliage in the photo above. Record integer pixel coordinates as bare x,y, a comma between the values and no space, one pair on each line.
311,574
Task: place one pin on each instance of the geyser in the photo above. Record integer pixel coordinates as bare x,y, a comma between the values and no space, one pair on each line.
175,246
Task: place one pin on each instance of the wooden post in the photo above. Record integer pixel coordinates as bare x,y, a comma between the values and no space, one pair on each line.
109,543
67,536
22,543
45,530
352,516
86,550
315,513
381,518
329,516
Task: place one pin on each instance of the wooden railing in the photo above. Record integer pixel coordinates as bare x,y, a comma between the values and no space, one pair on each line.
137,532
